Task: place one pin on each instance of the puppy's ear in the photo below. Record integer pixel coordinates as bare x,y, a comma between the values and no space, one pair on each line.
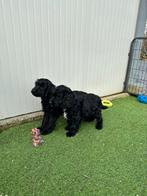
65,90
68,100
50,90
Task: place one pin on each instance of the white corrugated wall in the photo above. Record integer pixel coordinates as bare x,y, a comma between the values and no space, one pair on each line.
80,43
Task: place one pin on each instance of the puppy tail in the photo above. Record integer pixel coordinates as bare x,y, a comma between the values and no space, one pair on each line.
103,107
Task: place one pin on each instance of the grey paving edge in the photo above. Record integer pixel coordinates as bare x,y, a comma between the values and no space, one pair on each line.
9,122
116,96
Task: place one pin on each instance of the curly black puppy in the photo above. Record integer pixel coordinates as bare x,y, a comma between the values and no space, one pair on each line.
78,106
45,89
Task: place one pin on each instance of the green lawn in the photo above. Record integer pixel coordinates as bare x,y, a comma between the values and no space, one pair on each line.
109,162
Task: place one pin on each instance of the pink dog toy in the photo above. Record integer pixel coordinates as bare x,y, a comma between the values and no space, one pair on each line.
36,137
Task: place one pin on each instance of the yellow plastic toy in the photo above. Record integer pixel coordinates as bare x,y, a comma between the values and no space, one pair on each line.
107,103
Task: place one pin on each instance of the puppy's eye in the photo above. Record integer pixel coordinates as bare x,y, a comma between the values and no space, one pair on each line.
42,85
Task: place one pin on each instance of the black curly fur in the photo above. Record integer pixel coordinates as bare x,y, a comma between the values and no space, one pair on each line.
45,89
78,106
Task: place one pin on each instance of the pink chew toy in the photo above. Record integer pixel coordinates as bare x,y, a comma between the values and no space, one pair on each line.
36,137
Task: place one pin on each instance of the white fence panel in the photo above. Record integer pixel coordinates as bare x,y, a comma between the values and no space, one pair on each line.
79,43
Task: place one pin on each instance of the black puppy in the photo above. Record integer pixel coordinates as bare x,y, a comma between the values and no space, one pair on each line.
45,89
78,106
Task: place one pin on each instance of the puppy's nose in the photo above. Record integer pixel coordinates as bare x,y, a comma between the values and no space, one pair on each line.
33,91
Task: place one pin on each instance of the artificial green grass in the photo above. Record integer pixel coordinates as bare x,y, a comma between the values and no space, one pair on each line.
107,162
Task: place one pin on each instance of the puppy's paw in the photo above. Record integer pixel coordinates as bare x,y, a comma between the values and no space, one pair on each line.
99,126
70,133
40,128
46,132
